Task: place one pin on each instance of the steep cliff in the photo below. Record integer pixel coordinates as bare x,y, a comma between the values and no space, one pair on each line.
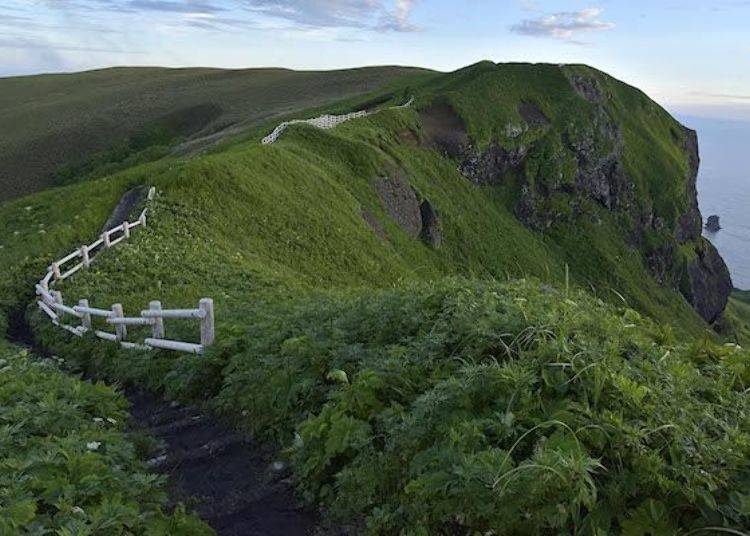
569,144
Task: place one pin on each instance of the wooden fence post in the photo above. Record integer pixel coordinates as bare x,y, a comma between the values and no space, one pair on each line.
120,329
151,193
85,256
157,328
207,322
86,318
142,218
105,238
126,229
56,270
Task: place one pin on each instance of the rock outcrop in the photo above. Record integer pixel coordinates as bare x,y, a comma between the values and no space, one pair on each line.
710,283
415,215
712,224
563,171
400,202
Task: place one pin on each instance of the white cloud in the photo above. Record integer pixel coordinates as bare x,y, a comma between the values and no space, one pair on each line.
564,25
362,14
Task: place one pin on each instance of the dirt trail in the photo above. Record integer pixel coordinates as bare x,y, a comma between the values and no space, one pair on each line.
219,473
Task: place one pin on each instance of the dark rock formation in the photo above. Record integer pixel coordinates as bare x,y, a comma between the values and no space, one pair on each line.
400,202
488,167
417,217
588,88
559,175
690,222
532,114
444,130
712,224
374,223
431,232
710,283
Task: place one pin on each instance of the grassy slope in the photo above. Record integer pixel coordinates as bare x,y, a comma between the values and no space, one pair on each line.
265,230
51,122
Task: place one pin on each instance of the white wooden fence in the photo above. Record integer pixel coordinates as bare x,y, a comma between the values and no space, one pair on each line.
324,121
52,304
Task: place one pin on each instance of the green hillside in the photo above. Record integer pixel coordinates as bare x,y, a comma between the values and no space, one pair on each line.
489,311
61,126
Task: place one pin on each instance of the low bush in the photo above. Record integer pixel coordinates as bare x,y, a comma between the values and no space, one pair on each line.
490,408
66,466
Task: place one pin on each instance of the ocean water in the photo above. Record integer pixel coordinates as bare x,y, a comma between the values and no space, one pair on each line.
724,189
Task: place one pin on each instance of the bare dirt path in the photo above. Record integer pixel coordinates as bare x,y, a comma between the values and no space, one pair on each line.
222,475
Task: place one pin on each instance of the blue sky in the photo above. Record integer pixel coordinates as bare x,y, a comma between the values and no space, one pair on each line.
692,56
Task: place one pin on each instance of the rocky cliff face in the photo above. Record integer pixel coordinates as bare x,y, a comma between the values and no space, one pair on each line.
562,170
710,282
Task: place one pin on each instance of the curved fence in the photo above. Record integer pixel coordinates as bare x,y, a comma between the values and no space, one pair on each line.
325,121
52,304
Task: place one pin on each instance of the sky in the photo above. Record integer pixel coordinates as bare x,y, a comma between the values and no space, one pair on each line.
691,56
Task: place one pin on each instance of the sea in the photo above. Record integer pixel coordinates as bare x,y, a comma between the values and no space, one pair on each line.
724,189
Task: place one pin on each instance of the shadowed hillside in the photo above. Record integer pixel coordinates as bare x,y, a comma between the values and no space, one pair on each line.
52,125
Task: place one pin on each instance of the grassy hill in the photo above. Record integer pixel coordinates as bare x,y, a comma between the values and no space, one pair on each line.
483,312
59,127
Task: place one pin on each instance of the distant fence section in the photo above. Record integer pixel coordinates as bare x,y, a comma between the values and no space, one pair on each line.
324,121
52,304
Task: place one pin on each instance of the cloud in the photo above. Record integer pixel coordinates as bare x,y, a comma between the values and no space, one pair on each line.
27,44
564,25
722,96
363,14
171,6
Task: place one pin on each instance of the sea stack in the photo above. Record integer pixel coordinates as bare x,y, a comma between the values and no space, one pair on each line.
712,224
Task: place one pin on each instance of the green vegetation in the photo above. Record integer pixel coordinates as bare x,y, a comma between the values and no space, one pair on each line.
59,127
66,466
509,380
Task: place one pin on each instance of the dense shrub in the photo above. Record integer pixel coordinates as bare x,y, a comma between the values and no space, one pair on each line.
494,407
66,467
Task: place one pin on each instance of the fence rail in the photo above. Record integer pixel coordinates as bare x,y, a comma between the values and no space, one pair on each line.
324,121
51,301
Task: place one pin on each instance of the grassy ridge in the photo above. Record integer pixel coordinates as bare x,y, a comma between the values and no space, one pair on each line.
54,125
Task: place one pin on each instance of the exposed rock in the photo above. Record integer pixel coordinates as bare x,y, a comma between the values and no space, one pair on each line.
690,222
660,263
444,130
513,131
606,182
490,166
400,202
532,114
431,232
374,223
127,202
710,283
712,224
417,217
408,136
588,87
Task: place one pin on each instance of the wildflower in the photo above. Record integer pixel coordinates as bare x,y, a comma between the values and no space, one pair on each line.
93,445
